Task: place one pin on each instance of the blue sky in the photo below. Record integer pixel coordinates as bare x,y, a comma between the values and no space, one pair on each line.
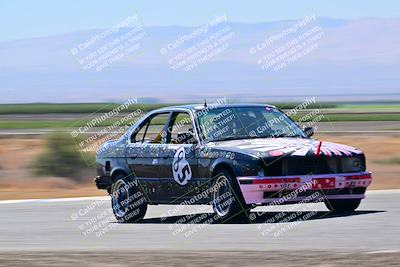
24,19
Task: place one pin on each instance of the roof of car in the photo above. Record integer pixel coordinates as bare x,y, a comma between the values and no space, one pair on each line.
195,107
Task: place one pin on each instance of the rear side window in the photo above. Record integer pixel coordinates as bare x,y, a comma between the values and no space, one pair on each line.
138,136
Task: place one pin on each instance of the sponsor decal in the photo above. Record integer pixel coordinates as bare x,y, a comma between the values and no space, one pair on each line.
181,168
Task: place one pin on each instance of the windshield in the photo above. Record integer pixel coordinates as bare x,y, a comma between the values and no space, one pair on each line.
220,124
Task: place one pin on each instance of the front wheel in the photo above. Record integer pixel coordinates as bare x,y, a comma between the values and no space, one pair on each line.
227,200
127,201
342,205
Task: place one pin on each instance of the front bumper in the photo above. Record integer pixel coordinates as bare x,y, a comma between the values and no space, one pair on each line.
264,190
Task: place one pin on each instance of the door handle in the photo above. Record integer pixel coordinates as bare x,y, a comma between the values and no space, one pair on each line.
133,157
165,157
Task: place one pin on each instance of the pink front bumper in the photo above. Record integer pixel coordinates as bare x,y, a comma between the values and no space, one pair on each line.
263,190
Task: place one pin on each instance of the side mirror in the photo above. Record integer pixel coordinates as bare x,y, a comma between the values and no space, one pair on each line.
309,131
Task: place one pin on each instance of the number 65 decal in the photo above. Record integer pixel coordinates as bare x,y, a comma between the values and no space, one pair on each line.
181,168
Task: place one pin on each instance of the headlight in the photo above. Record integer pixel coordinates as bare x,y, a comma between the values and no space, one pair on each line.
353,164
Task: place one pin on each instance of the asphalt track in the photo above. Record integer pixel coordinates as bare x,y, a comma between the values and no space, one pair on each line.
68,224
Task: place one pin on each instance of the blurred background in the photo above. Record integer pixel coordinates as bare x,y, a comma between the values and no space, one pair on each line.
74,74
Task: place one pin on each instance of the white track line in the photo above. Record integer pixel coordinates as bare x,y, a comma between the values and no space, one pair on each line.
382,251
46,200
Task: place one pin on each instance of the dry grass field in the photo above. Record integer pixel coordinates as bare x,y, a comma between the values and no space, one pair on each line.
18,182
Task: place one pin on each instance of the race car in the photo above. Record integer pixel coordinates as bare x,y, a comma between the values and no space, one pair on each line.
234,157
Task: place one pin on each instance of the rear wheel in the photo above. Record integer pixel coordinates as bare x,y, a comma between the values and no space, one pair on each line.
227,200
127,201
342,205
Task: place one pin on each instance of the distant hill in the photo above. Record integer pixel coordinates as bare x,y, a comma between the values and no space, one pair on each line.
353,59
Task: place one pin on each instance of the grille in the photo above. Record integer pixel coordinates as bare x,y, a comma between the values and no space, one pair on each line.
312,165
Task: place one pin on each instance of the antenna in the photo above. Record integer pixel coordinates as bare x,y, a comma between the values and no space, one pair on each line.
205,102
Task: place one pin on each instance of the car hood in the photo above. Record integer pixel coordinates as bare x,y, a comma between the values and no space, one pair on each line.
276,147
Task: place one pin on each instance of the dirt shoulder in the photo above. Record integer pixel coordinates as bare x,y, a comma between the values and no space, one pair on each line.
199,258
17,180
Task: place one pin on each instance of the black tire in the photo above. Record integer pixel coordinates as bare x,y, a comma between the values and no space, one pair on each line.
227,199
342,205
127,201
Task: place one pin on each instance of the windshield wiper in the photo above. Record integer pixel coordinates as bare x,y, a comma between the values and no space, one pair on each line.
254,137
231,138
285,136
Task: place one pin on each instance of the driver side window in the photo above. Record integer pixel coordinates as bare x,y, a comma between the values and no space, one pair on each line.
152,130
180,130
